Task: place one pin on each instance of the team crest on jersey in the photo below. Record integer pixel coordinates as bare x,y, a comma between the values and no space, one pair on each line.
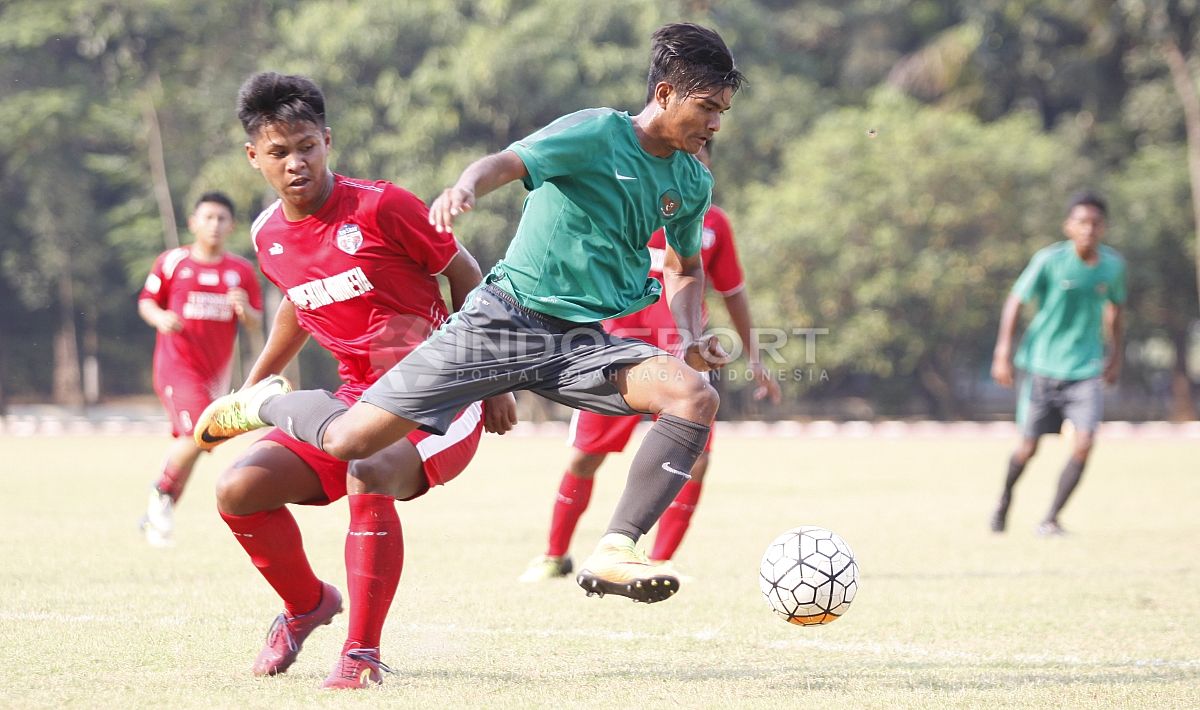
185,273
668,202
349,238
232,279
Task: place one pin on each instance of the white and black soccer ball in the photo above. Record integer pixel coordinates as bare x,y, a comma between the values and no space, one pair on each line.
808,575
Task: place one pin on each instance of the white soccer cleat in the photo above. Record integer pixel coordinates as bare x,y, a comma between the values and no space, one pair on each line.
158,524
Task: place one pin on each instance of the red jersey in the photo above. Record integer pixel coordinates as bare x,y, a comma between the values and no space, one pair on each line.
722,271
361,273
197,293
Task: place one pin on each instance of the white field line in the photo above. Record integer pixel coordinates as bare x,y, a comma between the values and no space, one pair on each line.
706,634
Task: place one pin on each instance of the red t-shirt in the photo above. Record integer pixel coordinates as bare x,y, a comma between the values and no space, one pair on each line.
196,292
722,271
361,273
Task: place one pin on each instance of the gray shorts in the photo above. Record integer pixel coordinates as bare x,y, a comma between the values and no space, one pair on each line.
1045,402
493,345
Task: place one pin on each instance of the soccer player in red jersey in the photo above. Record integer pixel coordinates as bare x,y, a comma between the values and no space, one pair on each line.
195,296
358,262
594,436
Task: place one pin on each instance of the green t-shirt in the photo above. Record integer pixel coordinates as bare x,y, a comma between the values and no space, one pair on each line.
580,251
1065,340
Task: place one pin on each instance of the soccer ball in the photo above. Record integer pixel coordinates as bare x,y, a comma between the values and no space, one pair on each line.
808,575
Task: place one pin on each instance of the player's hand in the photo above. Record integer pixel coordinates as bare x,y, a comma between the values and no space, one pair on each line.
1002,371
706,354
168,322
499,413
767,388
1112,371
239,299
451,203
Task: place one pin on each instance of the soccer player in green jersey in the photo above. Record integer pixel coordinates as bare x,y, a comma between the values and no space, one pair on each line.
1079,288
601,182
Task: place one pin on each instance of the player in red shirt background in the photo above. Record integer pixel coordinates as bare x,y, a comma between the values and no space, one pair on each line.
594,436
358,263
194,297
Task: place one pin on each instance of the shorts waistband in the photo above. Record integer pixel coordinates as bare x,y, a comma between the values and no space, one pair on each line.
556,323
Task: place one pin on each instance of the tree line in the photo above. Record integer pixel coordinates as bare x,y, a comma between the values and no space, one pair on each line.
890,169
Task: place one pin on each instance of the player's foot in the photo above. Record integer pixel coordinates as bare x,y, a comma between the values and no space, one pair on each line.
236,413
546,567
1050,528
158,524
999,520
619,567
287,634
357,668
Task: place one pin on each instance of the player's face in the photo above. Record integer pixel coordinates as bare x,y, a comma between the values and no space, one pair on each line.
691,121
1085,226
211,223
294,161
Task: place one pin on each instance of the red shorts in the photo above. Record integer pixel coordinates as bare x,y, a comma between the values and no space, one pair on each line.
183,399
594,433
443,457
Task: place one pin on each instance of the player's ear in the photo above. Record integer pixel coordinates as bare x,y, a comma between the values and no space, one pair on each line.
662,94
252,155
328,138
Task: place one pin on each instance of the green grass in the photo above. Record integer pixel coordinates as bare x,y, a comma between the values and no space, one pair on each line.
948,615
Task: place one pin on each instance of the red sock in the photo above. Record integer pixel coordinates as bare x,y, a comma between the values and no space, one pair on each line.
573,496
272,539
172,481
674,522
374,559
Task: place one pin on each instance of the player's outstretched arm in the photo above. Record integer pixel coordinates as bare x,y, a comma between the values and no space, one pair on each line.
1002,367
284,343
738,306
480,178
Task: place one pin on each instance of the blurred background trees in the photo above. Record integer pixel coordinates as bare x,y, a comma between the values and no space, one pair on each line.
889,171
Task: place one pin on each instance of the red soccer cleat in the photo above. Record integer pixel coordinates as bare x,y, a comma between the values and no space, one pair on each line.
357,668
287,634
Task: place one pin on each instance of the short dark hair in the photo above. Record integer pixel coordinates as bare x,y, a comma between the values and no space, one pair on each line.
691,58
219,198
1087,197
268,97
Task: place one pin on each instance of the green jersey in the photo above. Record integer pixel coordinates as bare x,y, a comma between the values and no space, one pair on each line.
580,251
1065,340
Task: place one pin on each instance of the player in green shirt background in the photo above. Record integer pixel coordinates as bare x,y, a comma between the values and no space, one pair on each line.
1079,288
601,183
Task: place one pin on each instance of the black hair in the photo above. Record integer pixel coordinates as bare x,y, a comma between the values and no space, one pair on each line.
692,59
1087,197
268,97
219,198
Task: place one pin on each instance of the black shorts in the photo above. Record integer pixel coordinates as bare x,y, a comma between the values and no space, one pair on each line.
1044,403
494,345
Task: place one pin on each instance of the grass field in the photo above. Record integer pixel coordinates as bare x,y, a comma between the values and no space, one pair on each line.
948,615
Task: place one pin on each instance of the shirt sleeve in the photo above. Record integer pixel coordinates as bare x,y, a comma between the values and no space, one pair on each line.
157,287
721,259
404,221
566,146
1031,284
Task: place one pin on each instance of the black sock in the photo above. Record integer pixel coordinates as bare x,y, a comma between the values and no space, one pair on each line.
1067,481
662,465
1015,468
303,415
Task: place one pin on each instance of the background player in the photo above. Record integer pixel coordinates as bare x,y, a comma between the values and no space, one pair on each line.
358,262
194,297
1079,288
601,183
594,436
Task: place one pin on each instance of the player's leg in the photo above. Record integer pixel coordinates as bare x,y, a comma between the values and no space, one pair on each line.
1083,405
677,518
375,543
251,497
181,400
1038,413
685,404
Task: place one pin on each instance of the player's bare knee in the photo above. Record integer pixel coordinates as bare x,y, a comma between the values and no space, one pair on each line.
702,401
231,491
583,464
345,447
